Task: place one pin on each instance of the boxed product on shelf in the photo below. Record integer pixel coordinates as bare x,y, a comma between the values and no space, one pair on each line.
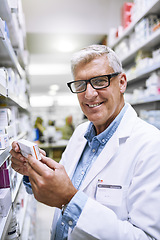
4,141
4,178
11,80
5,201
139,8
122,48
156,55
10,131
132,41
143,59
151,116
5,116
13,4
3,77
144,28
153,84
3,130
126,14
2,28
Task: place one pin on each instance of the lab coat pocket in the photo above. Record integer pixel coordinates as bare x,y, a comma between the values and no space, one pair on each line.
109,194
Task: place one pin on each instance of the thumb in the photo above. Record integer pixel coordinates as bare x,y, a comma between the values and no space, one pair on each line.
49,162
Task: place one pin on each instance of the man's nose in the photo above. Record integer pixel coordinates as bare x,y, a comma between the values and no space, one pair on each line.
90,92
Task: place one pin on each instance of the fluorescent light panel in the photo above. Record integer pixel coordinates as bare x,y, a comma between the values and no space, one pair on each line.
49,69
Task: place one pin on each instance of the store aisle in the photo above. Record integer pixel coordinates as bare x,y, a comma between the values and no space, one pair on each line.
43,221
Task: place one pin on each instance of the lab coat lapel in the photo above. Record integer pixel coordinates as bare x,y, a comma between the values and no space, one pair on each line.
105,156
80,144
123,131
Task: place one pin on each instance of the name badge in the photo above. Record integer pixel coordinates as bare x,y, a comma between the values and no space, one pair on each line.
109,194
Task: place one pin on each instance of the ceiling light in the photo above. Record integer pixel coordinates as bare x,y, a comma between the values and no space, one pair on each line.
49,69
65,43
41,101
54,87
67,100
52,92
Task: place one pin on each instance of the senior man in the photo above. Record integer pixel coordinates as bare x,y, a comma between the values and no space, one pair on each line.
107,185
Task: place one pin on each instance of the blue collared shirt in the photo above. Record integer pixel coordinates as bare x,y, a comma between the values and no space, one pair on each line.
94,146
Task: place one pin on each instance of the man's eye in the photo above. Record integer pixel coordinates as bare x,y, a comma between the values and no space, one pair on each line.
79,85
100,82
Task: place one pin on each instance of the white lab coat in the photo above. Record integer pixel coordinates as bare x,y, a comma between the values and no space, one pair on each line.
130,159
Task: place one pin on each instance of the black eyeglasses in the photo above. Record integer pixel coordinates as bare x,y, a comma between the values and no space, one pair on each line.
96,82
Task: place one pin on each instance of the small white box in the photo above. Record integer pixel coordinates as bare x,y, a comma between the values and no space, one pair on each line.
3,77
3,130
4,141
5,201
28,147
5,116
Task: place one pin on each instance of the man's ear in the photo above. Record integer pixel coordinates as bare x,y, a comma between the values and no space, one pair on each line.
122,82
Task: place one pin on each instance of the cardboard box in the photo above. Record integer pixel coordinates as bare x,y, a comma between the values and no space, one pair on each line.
28,147
5,201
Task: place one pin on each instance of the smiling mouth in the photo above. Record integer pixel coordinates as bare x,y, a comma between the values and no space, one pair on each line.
93,105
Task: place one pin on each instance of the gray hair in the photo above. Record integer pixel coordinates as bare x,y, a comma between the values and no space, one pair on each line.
91,52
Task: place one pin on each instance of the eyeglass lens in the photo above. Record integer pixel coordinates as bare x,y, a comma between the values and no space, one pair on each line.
97,83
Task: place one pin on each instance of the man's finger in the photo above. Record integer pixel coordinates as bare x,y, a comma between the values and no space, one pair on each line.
42,152
50,162
15,146
17,155
36,165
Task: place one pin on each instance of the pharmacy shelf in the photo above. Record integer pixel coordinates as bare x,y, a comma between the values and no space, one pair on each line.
2,34
20,102
4,224
151,42
3,91
12,100
21,214
4,154
16,190
154,8
5,11
146,100
144,73
8,56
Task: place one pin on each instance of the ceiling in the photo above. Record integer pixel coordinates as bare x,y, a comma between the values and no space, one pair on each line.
56,29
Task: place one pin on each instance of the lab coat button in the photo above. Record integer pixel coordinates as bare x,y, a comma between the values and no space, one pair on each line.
70,223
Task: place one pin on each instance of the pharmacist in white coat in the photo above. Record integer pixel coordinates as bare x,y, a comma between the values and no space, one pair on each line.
107,185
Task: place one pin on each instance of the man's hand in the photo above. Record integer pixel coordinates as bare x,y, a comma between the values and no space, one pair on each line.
19,162
50,183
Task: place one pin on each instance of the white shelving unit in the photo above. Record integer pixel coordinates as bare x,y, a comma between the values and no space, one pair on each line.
153,8
152,41
139,77
4,223
9,59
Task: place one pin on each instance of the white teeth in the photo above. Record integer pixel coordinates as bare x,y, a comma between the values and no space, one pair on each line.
94,105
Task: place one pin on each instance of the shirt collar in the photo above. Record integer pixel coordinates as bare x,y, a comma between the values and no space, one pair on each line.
104,136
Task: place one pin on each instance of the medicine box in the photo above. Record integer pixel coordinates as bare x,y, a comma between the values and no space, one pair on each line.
28,147
5,201
4,178
4,141
5,116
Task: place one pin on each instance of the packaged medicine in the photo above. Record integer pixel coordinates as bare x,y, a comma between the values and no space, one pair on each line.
5,201
28,147
4,141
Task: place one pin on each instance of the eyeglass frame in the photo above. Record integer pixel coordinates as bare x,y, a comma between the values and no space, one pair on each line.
89,81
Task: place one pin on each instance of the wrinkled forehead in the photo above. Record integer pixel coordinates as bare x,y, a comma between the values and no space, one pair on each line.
95,67
90,58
